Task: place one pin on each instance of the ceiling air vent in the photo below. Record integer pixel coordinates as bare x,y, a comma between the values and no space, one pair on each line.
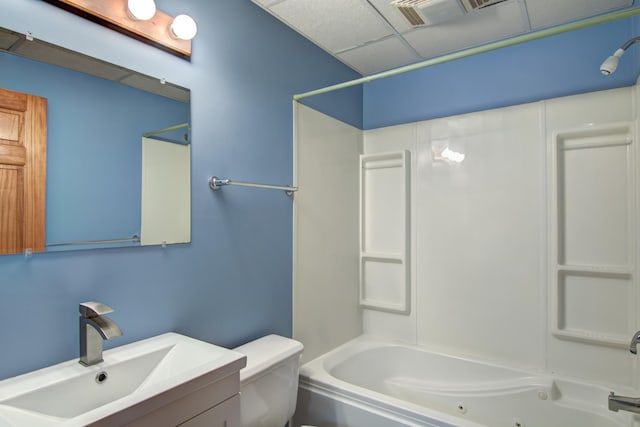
429,12
470,5
410,13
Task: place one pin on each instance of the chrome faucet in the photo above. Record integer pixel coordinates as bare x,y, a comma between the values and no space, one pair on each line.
633,347
94,327
631,404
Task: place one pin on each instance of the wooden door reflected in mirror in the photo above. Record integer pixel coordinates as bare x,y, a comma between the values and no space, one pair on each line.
23,164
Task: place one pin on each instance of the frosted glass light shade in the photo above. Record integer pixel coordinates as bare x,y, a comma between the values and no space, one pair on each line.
142,10
184,27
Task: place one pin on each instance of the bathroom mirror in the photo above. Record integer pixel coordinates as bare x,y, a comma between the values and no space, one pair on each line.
118,147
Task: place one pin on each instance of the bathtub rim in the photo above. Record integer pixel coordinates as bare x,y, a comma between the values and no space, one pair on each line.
315,377
364,342
393,408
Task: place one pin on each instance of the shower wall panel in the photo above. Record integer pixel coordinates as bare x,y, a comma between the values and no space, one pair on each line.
493,277
592,235
325,291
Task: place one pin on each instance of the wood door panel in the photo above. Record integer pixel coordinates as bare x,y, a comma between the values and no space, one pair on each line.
10,126
35,172
12,155
14,101
11,225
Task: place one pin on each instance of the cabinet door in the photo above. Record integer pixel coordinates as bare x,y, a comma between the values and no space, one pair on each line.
226,414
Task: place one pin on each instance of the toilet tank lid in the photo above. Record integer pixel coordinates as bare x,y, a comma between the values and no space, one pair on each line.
265,352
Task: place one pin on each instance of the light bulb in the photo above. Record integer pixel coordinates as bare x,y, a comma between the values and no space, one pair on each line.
184,27
142,10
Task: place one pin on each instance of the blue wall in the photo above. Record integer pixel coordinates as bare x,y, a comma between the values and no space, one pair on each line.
94,129
561,65
233,282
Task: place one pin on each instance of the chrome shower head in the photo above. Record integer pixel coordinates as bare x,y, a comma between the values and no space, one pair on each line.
610,64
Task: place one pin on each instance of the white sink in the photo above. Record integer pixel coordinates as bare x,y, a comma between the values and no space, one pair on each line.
71,394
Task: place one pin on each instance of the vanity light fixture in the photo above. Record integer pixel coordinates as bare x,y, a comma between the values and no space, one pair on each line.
139,19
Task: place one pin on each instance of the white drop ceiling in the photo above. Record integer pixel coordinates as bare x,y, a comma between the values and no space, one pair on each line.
372,36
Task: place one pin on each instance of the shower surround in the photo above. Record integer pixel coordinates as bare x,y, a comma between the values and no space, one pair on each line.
521,245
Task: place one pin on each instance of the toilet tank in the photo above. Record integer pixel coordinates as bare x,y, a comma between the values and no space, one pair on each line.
269,382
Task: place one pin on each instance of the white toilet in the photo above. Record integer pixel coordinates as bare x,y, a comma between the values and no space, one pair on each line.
269,382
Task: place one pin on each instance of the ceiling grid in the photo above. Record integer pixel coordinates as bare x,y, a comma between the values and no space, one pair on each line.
372,35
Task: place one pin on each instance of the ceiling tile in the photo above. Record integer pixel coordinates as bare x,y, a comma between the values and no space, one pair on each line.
482,26
392,15
7,39
545,13
155,85
379,56
335,25
51,54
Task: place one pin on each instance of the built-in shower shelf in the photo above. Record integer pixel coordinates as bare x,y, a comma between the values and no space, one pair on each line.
385,231
592,256
379,255
596,269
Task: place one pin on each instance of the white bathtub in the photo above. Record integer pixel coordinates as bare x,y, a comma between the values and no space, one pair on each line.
372,383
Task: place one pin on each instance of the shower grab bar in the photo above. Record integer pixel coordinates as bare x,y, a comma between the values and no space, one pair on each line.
216,183
134,239
165,130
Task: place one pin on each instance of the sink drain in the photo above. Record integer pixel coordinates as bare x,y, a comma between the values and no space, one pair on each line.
101,377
